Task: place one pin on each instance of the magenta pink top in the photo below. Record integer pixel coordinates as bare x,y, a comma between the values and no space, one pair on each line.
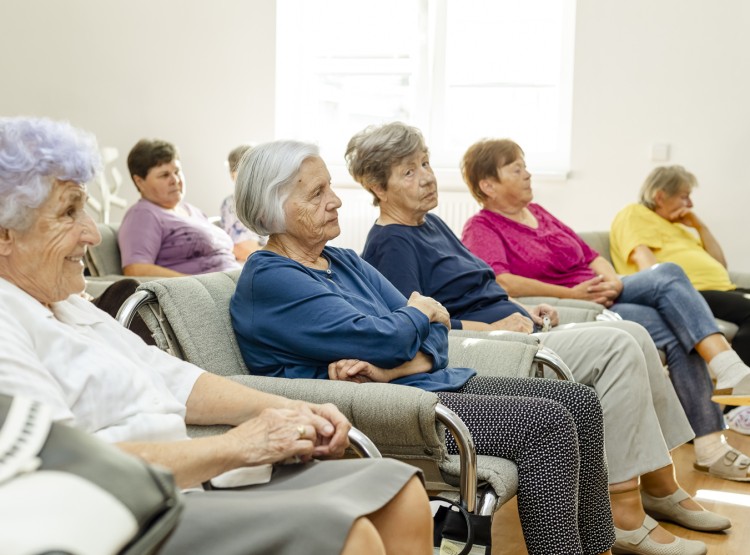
552,253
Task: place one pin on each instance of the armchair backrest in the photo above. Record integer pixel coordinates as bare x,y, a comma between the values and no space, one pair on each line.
104,259
599,241
194,310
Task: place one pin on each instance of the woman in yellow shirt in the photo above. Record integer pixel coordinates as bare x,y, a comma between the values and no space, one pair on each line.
664,228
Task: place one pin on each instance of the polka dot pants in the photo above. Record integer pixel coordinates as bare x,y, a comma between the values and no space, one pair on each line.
553,431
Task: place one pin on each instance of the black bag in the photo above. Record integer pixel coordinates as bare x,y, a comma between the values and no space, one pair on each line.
458,532
64,491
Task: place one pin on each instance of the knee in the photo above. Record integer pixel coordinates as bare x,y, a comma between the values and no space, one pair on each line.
554,418
363,538
621,352
636,330
584,405
621,339
668,273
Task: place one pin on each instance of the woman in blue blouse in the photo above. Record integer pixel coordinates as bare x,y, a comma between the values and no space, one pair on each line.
303,309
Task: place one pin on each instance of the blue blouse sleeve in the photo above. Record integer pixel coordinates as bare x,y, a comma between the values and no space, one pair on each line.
299,320
436,344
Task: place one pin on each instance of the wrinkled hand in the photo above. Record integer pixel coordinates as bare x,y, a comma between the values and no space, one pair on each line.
358,371
279,434
598,290
430,308
540,311
515,322
332,428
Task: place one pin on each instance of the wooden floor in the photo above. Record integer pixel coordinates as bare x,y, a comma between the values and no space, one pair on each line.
507,538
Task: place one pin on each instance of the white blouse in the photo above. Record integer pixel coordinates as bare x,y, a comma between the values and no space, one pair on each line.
93,373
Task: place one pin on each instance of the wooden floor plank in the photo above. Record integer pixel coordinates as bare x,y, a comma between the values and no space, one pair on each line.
508,540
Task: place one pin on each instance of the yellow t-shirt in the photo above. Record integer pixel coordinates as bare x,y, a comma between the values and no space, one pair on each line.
671,242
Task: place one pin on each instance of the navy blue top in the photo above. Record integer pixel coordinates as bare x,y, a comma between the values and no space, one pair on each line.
430,259
292,321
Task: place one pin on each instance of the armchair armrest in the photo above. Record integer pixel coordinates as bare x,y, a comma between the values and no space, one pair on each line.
570,310
405,422
399,419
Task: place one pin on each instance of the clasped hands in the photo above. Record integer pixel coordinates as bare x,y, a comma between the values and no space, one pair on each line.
301,431
599,290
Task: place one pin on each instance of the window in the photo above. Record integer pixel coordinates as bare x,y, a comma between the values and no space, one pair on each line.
457,69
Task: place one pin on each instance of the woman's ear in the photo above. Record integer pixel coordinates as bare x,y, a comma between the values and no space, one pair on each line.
6,241
379,191
487,186
138,180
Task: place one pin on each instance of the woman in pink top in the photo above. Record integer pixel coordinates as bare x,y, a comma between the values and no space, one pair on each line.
533,253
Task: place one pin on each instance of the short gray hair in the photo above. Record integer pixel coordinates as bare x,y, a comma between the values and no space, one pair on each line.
372,153
264,181
670,179
34,153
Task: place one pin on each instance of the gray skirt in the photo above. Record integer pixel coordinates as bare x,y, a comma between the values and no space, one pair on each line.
304,509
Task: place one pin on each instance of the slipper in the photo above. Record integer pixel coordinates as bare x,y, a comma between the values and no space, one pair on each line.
732,466
639,542
669,508
737,395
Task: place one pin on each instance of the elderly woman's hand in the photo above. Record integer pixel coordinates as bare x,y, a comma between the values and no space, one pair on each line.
276,435
332,428
515,322
539,311
430,308
686,216
598,290
358,371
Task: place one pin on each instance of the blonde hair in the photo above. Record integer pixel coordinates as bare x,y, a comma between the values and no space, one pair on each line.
670,179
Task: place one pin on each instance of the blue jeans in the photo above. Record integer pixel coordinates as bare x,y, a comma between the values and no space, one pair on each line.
663,301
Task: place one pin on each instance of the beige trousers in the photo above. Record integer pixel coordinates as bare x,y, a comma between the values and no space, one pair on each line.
643,418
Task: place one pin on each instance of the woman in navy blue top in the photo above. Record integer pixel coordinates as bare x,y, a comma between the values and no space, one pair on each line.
303,309
417,251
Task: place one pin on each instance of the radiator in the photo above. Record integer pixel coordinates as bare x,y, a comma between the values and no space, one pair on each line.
357,214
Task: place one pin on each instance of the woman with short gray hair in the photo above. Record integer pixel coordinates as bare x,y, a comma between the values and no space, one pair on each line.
265,181
303,309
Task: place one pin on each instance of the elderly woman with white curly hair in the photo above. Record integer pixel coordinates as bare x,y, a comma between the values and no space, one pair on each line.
60,350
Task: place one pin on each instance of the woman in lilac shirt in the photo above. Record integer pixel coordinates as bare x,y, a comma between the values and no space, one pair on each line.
162,235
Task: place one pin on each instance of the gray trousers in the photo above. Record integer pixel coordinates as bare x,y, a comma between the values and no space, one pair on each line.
643,418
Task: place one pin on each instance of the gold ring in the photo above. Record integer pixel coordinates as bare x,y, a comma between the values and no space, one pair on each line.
301,431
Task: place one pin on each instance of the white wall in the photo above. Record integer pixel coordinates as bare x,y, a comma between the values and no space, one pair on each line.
197,73
673,71
201,74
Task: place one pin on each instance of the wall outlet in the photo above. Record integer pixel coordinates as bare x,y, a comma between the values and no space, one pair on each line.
660,152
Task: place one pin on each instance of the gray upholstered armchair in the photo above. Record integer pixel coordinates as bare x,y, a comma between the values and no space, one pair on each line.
189,317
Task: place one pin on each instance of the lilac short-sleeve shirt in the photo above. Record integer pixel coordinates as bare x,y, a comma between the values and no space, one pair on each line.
150,234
